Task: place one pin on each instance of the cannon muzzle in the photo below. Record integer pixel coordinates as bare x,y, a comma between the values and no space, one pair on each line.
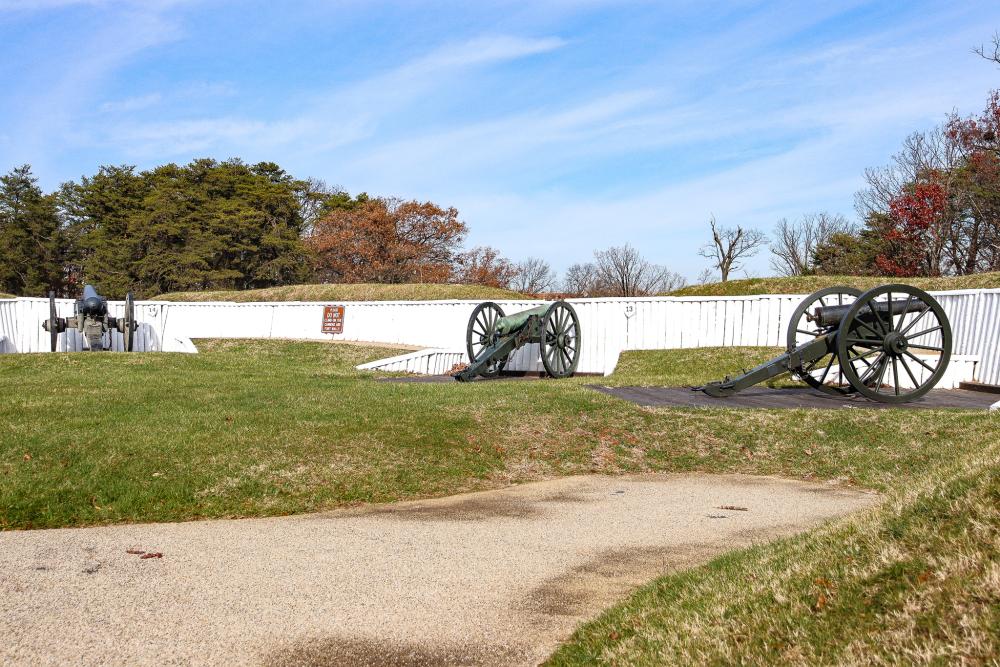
830,316
92,304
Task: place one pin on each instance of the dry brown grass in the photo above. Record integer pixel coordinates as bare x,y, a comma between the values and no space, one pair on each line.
809,284
349,292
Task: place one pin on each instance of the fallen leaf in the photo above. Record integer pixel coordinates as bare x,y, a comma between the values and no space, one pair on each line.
820,602
151,555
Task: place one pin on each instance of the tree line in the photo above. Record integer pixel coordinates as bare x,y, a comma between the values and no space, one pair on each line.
212,225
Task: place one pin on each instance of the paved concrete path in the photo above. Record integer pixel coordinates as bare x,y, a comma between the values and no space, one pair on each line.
498,577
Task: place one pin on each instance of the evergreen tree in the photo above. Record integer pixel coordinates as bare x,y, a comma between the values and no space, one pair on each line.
100,212
32,245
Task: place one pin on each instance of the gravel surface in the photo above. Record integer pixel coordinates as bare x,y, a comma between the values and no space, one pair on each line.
499,577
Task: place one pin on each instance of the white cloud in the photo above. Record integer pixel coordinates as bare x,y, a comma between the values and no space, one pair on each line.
340,117
132,103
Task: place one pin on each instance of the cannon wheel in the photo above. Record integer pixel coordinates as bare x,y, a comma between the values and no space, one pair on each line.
560,340
801,330
130,326
870,349
53,322
481,333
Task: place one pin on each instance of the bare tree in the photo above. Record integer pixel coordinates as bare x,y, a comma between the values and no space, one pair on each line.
581,280
935,151
312,195
794,243
622,271
730,246
534,276
991,52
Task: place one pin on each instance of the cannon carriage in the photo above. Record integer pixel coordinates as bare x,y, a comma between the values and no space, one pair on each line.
890,344
90,317
492,336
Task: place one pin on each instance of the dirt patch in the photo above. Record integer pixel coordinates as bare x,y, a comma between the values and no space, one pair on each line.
478,506
609,576
374,653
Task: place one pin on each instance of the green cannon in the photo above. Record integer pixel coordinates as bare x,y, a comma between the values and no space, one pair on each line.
890,344
491,337
91,319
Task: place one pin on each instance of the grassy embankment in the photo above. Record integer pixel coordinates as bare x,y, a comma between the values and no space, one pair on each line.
915,580
350,292
809,284
252,428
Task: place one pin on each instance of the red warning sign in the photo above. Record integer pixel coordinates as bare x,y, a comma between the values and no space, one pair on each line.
333,319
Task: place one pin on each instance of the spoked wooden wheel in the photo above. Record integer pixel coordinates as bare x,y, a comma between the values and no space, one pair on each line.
560,340
482,333
894,343
820,374
130,325
53,322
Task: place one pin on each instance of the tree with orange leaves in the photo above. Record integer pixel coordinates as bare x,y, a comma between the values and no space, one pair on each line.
387,240
484,265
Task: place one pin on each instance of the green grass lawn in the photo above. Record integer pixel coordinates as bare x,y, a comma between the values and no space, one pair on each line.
255,428
809,284
350,292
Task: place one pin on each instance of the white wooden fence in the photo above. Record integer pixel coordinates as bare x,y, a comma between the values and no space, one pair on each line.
21,328
608,326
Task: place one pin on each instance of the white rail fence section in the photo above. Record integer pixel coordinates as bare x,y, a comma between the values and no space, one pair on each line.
21,328
608,326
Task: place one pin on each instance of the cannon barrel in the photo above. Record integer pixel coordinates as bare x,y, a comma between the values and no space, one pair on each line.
511,323
830,316
92,304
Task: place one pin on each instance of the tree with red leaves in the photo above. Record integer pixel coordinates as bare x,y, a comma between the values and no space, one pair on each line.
917,221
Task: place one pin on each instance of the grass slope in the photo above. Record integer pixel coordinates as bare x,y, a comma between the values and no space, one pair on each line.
254,428
915,580
350,292
809,284
7,296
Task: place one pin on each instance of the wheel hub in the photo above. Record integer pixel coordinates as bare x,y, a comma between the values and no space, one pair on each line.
895,343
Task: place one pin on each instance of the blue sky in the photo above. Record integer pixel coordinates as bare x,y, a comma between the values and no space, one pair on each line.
554,127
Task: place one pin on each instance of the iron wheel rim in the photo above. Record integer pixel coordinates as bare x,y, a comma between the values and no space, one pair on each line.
53,322
559,342
885,343
797,328
130,326
482,332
